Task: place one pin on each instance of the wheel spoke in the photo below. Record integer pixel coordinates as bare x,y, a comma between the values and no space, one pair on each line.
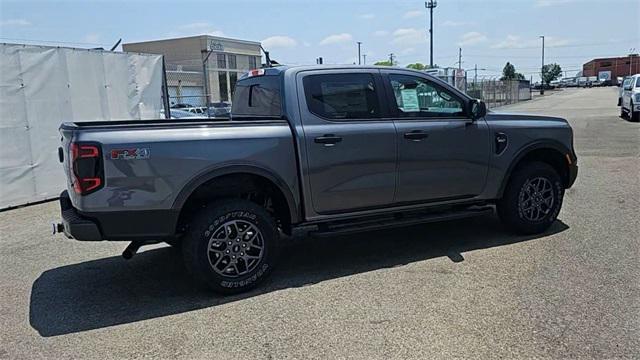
237,257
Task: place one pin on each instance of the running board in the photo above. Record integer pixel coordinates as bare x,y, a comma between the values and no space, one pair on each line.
398,220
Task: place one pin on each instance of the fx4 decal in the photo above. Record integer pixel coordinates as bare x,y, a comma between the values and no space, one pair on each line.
130,154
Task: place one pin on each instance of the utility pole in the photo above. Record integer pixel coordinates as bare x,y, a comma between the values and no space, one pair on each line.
459,58
391,59
431,4
542,69
631,60
359,57
475,75
364,59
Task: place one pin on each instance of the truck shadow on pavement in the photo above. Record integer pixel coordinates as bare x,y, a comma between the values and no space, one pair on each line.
113,291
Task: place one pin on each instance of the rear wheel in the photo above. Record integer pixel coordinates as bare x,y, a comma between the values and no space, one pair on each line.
231,245
532,199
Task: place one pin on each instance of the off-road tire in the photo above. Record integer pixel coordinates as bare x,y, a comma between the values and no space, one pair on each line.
512,207
203,227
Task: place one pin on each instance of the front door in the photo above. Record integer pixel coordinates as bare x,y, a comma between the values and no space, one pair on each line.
351,151
442,154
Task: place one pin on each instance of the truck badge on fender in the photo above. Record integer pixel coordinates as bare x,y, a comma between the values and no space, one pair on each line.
130,154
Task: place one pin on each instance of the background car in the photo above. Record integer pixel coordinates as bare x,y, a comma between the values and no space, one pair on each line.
631,99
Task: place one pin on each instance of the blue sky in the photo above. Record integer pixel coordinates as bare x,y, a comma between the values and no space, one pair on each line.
490,32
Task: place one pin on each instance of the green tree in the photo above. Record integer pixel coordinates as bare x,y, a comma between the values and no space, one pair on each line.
551,72
509,73
417,66
384,63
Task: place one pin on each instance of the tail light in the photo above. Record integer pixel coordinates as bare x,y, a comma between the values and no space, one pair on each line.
85,167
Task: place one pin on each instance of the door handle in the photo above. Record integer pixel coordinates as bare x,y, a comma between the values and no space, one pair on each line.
327,139
416,135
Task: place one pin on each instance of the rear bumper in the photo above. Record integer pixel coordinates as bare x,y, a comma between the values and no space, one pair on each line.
120,225
75,225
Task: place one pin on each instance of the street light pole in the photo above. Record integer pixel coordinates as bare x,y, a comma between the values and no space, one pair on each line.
631,60
431,4
364,59
359,57
542,69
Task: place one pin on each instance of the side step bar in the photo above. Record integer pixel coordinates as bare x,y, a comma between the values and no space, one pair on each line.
398,220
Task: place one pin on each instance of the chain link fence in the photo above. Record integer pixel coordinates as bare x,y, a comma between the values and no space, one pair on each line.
492,91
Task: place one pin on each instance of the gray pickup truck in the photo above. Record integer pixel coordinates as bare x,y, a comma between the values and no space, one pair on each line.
316,150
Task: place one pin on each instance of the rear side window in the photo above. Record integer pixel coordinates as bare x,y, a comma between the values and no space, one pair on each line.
342,96
258,96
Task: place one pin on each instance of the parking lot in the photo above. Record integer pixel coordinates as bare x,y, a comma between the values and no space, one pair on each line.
459,289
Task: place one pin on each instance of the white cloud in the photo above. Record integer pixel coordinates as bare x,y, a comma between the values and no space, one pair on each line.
408,51
472,38
279,41
546,3
452,23
380,33
412,14
91,38
15,22
336,39
201,28
408,36
367,16
306,44
517,42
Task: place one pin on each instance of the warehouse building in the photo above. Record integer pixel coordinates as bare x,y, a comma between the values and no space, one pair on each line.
618,66
190,60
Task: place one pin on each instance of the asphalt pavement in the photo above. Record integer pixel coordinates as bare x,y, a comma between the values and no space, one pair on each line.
461,289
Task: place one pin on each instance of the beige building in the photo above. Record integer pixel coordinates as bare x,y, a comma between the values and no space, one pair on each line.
226,60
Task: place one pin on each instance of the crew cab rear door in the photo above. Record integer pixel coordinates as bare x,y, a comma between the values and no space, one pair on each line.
350,146
442,154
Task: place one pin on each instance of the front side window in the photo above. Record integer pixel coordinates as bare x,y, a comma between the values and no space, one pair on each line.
638,82
417,97
342,96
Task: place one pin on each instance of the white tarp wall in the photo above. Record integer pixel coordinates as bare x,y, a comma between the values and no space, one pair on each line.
41,87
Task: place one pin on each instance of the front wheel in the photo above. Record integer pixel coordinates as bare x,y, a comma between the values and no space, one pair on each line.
532,200
231,245
634,115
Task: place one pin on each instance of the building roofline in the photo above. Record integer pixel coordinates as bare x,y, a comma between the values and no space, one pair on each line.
199,37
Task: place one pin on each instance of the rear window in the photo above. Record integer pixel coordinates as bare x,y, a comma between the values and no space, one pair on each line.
258,96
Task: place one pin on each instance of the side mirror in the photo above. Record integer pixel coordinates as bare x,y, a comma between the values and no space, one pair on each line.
478,109
628,87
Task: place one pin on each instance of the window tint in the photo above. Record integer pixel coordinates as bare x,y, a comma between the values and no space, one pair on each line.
638,82
342,96
257,96
417,97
